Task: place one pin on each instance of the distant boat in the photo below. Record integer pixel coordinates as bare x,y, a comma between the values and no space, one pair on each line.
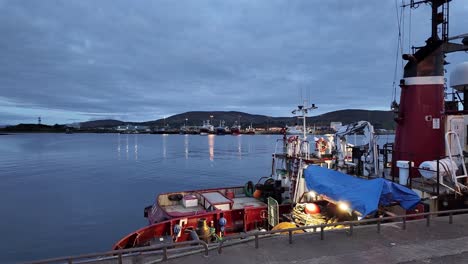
207,128
235,129
250,130
221,129
297,130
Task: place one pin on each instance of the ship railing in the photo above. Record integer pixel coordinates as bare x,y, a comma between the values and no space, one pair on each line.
413,174
349,224
298,148
122,254
164,249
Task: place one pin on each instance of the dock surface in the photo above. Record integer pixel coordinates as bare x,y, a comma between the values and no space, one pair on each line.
440,242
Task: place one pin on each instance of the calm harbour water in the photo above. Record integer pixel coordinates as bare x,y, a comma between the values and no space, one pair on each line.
67,194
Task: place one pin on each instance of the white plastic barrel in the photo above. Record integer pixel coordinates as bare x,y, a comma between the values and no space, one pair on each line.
403,166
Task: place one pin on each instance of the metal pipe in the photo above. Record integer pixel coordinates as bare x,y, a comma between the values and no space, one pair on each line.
164,254
378,225
321,232
438,176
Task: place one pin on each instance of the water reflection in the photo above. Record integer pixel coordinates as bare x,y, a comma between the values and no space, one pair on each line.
136,147
186,145
164,147
126,146
118,146
211,141
239,146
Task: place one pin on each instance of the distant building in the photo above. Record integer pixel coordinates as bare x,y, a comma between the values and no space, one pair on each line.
128,128
74,125
335,125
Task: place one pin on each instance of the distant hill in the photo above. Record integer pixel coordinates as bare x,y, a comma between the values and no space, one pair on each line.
107,123
35,128
380,119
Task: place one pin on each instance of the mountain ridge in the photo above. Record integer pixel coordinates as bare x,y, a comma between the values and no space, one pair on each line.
380,119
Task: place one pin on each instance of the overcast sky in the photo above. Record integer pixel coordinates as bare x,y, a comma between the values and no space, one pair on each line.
80,60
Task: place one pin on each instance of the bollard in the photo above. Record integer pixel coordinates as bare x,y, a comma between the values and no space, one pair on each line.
378,226
450,218
290,236
404,224
351,227
428,219
321,232
256,240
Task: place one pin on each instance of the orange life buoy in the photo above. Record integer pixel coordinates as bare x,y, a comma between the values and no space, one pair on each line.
321,145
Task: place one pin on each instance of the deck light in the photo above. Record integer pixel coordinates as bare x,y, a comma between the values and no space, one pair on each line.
344,207
312,195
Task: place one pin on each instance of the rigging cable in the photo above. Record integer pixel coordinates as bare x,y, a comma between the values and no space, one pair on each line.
409,33
399,49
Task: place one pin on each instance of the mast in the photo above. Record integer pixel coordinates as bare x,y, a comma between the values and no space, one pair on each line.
420,116
303,114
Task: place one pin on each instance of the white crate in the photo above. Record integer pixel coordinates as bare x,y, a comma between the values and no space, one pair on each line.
190,200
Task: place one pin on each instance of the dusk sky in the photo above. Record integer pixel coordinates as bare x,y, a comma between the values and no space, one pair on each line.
77,60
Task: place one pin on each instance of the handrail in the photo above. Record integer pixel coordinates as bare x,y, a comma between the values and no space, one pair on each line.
123,252
378,221
126,252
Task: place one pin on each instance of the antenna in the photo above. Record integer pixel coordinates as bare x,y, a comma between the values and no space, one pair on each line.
303,110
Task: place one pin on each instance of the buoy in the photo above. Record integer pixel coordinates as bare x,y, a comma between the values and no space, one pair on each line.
287,225
312,208
257,194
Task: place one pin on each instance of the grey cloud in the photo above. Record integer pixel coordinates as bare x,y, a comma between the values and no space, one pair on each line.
146,59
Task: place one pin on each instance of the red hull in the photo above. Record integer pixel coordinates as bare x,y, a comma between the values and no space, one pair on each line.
240,220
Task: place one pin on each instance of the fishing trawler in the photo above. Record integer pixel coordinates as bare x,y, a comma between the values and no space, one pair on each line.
206,128
423,170
236,129
222,129
211,214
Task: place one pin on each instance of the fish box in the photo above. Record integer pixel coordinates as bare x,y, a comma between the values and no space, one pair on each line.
190,200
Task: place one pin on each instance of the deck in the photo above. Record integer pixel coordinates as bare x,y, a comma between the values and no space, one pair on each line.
239,203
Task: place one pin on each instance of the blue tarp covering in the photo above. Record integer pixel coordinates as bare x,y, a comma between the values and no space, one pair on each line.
362,195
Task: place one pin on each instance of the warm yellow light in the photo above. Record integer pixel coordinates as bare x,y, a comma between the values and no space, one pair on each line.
343,207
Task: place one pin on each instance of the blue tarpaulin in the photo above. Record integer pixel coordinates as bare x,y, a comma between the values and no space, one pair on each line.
363,196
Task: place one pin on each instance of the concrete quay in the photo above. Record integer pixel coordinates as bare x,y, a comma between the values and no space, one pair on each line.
440,242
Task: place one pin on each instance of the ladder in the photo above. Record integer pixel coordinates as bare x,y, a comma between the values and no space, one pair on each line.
451,136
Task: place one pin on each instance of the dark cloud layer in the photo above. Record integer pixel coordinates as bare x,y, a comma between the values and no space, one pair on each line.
141,60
